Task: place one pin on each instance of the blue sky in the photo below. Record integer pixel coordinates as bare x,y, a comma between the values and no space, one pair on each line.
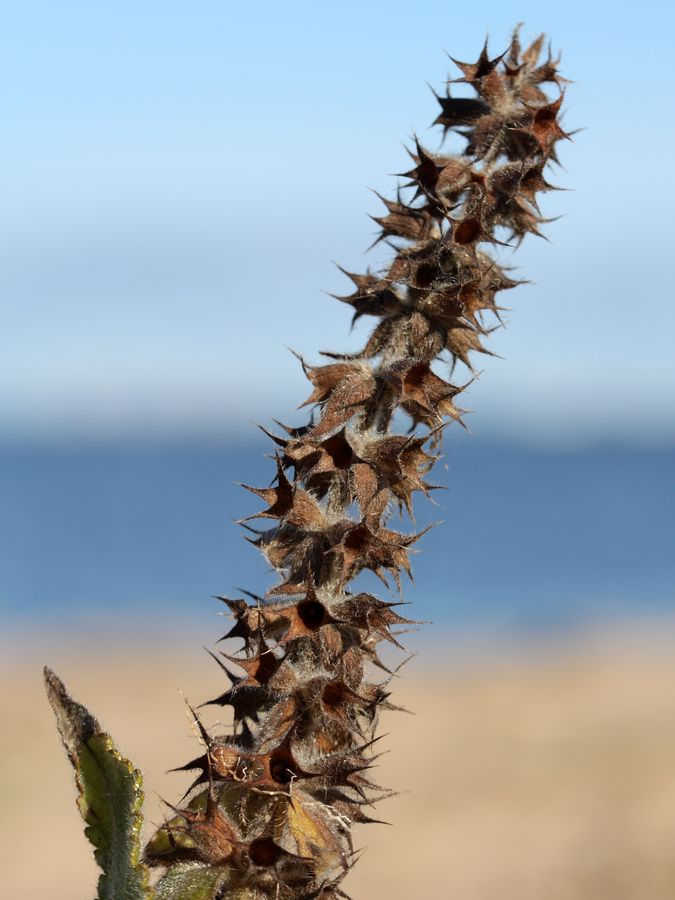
179,177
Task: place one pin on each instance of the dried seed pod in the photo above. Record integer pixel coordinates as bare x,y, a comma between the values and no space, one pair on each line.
274,801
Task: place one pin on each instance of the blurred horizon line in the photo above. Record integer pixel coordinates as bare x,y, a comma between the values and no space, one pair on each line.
247,433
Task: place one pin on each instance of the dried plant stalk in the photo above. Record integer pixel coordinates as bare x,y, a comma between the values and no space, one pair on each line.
270,812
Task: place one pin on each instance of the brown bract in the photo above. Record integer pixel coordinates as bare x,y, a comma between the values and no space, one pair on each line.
275,798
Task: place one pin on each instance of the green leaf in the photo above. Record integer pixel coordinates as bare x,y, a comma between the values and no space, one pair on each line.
193,880
110,797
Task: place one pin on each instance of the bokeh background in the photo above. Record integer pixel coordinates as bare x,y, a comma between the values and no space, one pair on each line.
178,181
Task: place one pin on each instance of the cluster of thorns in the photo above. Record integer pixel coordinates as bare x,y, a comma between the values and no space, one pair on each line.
271,810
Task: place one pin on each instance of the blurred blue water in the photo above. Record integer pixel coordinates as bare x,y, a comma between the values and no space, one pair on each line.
531,538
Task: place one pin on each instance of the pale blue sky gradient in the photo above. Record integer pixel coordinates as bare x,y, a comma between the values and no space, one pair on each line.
178,177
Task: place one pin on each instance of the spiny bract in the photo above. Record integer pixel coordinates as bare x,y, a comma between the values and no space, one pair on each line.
273,802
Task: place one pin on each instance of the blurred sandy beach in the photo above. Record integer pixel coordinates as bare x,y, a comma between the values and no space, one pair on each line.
545,773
